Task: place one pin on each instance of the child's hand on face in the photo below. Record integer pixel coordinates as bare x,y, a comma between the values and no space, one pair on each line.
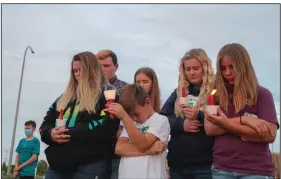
117,110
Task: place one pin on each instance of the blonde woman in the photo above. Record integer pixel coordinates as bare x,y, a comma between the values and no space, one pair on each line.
190,149
246,122
80,149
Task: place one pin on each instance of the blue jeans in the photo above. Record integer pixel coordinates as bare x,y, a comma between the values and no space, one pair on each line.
90,171
191,172
112,168
115,168
219,174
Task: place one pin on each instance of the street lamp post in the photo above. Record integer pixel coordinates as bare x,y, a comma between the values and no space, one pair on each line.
6,153
17,111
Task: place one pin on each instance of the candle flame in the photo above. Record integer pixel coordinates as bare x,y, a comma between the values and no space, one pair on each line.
213,92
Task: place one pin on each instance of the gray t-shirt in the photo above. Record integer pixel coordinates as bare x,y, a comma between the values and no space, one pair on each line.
234,154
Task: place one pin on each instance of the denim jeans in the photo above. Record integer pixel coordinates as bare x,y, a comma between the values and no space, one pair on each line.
90,171
219,174
115,168
191,172
112,168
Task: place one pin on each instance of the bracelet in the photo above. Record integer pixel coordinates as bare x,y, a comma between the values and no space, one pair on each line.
241,120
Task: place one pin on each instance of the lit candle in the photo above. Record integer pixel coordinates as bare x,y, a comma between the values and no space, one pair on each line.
211,98
110,97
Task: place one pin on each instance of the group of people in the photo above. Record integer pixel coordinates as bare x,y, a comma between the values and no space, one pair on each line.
133,136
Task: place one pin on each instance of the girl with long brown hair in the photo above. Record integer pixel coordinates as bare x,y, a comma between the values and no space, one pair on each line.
246,121
146,77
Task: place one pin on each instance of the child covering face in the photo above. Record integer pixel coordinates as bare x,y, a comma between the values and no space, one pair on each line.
142,143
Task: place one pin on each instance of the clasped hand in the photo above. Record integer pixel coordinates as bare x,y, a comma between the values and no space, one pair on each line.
261,126
58,135
191,124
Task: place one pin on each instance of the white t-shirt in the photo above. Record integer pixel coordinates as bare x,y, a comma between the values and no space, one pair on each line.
151,166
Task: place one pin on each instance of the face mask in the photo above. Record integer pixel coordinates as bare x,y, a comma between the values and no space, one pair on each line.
28,132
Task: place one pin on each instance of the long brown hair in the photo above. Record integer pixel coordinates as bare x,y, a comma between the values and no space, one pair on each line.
246,82
155,91
207,83
91,82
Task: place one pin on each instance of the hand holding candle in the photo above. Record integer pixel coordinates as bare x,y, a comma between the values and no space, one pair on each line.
211,107
110,97
60,122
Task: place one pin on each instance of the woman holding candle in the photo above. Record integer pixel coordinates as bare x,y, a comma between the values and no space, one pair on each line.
190,149
80,149
246,122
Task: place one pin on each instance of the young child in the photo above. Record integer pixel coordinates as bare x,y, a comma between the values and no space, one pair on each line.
27,151
143,140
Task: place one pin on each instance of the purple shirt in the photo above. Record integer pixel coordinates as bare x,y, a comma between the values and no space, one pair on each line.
233,154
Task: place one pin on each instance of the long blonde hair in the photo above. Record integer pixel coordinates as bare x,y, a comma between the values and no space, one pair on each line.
89,88
246,83
155,91
206,86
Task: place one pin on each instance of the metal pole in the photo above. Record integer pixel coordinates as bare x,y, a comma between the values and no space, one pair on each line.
6,153
17,111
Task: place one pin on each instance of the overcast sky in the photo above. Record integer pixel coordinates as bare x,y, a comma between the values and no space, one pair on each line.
141,35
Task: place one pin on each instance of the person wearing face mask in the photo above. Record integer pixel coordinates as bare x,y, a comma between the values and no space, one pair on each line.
27,151
190,149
